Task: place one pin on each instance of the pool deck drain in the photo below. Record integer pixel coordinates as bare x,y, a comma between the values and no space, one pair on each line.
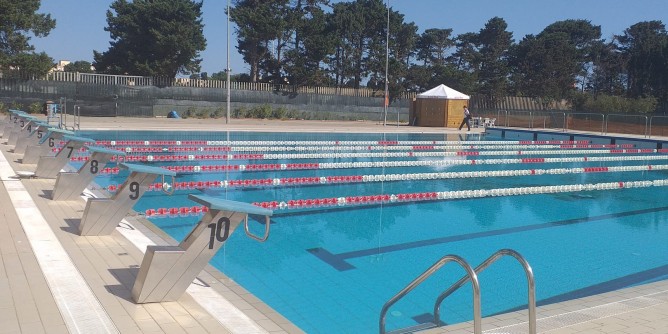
89,289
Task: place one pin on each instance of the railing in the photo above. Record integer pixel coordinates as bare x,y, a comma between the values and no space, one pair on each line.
627,125
531,286
477,317
62,106
548,119
76,112
570,122
644,125
518,119
663,127
131,80
472,276
534,119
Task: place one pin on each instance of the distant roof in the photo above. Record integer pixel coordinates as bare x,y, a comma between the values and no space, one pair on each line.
443,92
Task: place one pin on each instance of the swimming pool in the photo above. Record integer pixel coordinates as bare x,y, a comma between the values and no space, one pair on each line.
330,268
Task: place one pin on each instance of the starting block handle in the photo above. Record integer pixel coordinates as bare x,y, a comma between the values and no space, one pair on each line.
166,188
267,225
226,205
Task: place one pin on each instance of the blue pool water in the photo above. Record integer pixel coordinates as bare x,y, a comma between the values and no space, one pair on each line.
330,270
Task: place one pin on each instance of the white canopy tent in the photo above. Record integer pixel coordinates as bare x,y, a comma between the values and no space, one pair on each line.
439,106
443,92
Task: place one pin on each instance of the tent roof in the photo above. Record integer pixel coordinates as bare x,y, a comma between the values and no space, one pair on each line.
443,92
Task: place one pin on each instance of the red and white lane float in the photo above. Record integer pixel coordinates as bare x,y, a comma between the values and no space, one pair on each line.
345,179
331,142
388,164
355,148
180,211
368,200
356,155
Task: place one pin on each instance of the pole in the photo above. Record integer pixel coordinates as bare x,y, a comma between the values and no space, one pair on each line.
387,59
227,117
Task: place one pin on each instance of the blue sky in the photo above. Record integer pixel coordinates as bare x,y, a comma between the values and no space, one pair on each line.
80,23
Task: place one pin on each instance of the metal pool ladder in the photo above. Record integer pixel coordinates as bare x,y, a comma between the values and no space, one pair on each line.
471,275
62,113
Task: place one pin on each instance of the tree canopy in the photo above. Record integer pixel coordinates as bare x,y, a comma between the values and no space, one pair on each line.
18,21
153,38
645,45
80,66
315,42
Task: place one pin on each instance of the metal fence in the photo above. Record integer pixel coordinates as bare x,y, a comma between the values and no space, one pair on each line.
634,124
104,95
125,95
130,80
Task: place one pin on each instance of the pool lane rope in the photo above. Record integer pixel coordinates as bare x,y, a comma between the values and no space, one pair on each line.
356,155
138,151
385,164
332,142
348,179
181,149
407,198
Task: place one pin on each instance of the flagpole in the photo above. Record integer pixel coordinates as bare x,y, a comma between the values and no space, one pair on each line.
227,118
386,101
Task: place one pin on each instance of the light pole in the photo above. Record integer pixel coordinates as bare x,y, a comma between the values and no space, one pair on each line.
386,101
227,118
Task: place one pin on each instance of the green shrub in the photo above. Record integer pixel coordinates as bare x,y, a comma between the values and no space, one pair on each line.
241,112
190,112
35,108
645,105
218,112
261,112
309,116
202,113
607,104
579,101
16,106
292,114
279,113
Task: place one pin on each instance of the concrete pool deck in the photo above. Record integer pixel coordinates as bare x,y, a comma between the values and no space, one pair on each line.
54,281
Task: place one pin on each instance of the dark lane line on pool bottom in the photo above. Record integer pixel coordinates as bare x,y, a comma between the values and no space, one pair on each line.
338,261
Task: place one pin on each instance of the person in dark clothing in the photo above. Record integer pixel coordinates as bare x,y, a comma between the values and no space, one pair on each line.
466,120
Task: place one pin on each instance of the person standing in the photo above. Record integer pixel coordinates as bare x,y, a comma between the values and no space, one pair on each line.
466,120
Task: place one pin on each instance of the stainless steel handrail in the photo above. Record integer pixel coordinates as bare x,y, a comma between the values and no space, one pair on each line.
505,119
77,118
530,283
62,105
563,125
477,317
